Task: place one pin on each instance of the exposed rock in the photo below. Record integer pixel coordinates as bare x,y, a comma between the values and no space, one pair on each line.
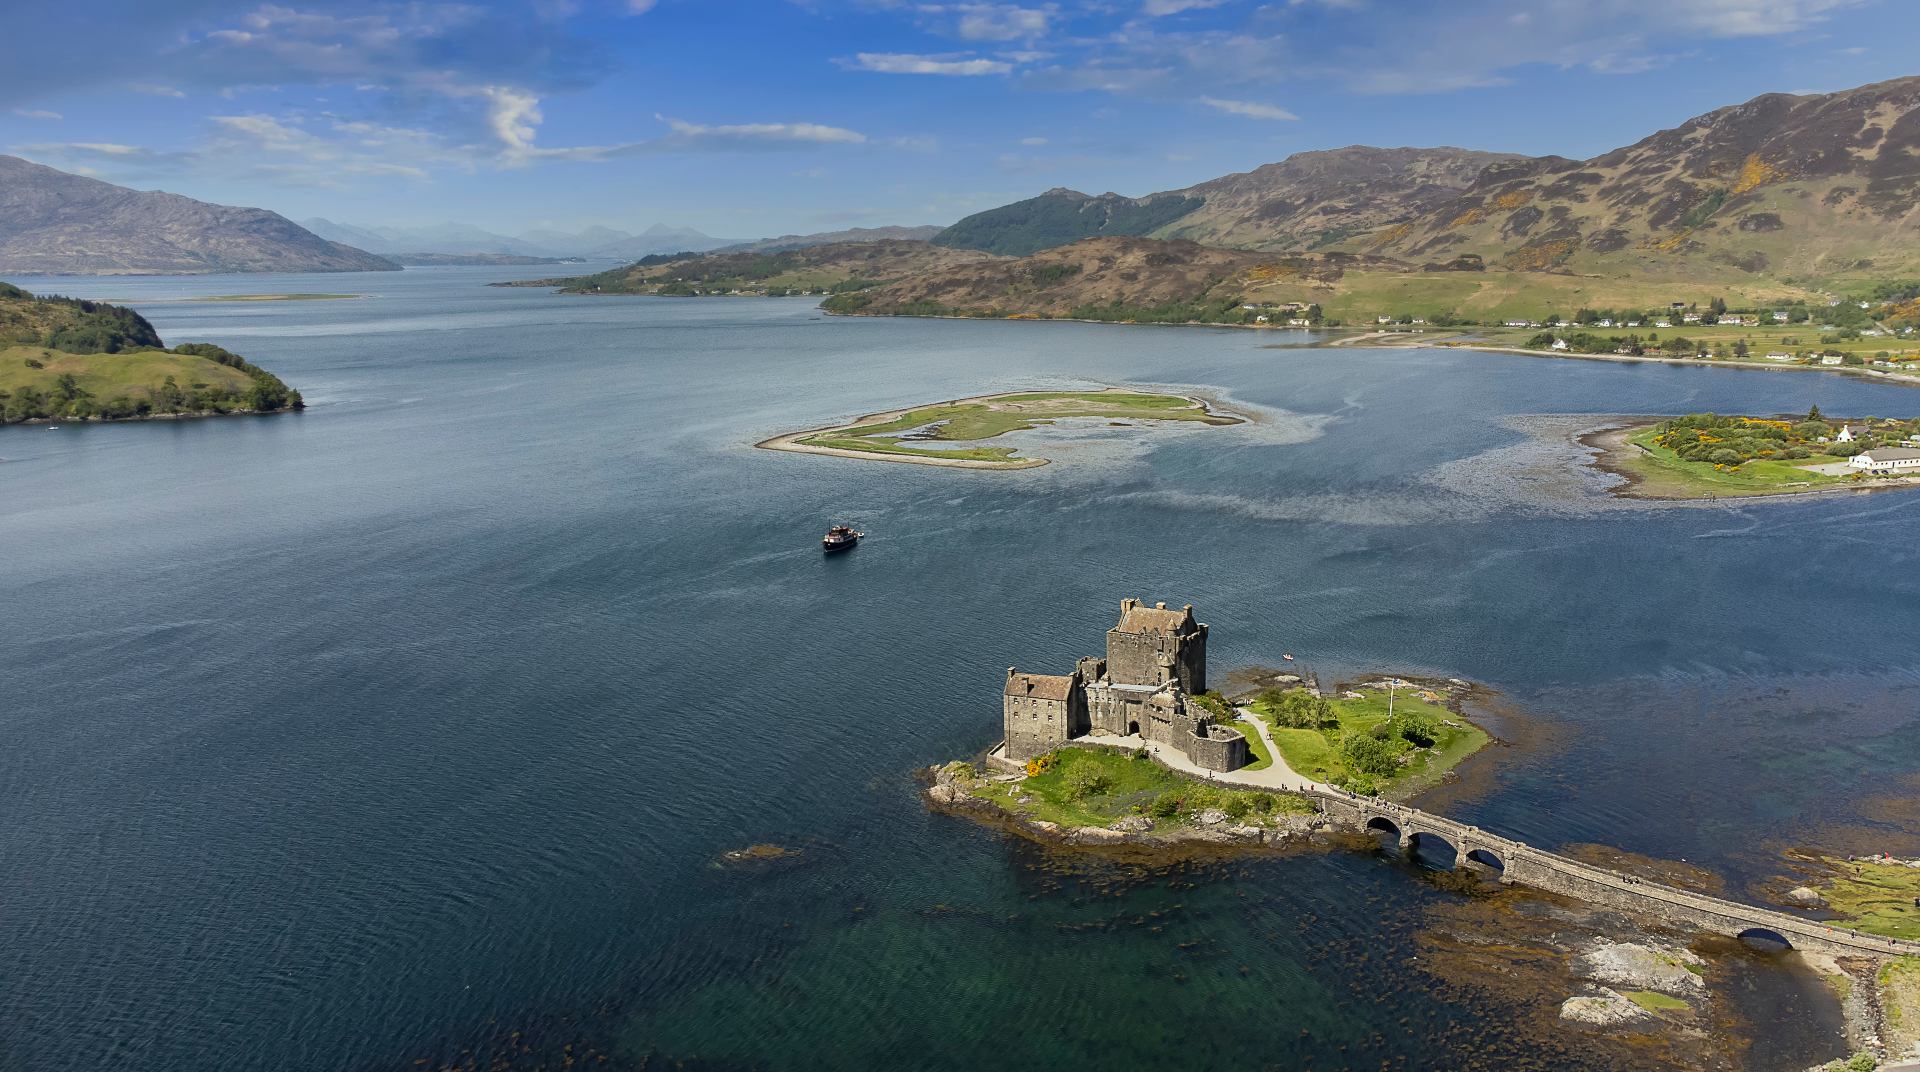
1641,967
1604,1009
1803,895
1210,817
1133,824
946,794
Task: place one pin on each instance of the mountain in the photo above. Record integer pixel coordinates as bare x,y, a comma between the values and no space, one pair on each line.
1314,200
809,269
1307,201
826,238
53,223
433,237
1111,277
1818,187
1060,216
661,238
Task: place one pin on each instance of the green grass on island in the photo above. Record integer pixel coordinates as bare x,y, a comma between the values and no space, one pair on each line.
1704,455
976,420
1875,896
1095,787
1351,742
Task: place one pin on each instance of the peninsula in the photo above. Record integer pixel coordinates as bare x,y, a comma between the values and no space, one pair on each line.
72,360
1709,455
921,435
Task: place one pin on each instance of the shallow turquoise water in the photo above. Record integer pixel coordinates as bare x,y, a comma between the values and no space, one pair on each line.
381,732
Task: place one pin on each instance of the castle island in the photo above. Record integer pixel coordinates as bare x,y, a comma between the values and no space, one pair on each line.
1156,660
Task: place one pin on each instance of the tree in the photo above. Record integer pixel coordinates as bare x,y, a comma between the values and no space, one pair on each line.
1813,412
1369,755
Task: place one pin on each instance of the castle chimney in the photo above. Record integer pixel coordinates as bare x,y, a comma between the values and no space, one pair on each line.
1009,673
1128,604
1162,605
1188,608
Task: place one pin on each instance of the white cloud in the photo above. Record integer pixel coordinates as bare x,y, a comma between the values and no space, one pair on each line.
152,90
1160,8
1000,22
816,133
35,113
908,63
1247,109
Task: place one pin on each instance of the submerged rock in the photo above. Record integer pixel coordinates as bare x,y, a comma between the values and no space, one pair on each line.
1642,967
1607,1008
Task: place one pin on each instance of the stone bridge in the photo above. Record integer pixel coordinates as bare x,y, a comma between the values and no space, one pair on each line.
1518,862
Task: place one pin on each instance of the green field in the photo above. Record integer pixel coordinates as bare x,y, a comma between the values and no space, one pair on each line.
1320,752
1875,897
1360,296
1660,473
1093,787
981,419
1778,338
100,382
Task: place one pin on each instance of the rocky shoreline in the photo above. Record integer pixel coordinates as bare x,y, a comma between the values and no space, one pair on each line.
950,789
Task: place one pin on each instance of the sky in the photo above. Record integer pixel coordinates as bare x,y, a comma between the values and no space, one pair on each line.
747,118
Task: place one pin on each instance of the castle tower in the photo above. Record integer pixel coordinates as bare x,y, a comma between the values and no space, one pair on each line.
1154,646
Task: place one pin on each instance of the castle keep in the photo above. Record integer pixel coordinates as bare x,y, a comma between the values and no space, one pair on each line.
1156,662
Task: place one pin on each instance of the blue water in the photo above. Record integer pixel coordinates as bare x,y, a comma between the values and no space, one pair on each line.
408,728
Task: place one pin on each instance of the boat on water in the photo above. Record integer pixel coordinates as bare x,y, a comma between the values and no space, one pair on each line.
840,538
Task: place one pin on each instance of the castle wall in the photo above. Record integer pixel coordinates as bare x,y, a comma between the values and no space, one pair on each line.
1220,750
1036,726
1156,658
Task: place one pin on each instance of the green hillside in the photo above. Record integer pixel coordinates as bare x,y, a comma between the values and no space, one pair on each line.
1058,217
69,359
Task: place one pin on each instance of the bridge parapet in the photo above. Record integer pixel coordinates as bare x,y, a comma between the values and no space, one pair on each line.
1522,863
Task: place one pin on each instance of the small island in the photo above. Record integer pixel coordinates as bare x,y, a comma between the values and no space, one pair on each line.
1710,455
1135,749
67,359
899,435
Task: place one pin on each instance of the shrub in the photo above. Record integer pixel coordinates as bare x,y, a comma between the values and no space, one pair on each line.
1366,754
1166,805
1085,781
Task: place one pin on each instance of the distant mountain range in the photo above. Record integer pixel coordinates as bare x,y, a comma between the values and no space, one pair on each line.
53,223
596,242
1817,188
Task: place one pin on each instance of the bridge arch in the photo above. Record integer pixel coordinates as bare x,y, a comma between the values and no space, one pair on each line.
1765,938
1487,858
1434,849
1380,824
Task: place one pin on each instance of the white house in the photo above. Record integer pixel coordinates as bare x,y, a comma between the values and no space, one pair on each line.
1261,319
1690,318
1517,324
1887,460
1383,320
1299,322
1846,434
1559,344
1779,317
1663,323
1830,359
1605,322
1777,356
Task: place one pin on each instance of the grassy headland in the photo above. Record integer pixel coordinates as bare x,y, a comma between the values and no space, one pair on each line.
66,359
1349,740
891,436
1090,787
1707,455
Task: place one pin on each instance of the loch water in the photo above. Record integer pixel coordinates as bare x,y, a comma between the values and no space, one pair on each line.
405,732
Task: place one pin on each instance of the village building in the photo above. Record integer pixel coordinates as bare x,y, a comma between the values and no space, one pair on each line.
1831,359
1156,663
1846,434
1887,460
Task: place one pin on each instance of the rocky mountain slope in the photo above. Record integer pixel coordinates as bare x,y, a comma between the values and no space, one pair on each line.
827,238
1809,187
1315,200
1118,277
809,268
1307,201
54,223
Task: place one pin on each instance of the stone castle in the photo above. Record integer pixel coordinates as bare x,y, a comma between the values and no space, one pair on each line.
1156,663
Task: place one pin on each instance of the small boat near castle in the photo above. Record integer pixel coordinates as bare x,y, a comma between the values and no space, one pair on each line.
840,538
